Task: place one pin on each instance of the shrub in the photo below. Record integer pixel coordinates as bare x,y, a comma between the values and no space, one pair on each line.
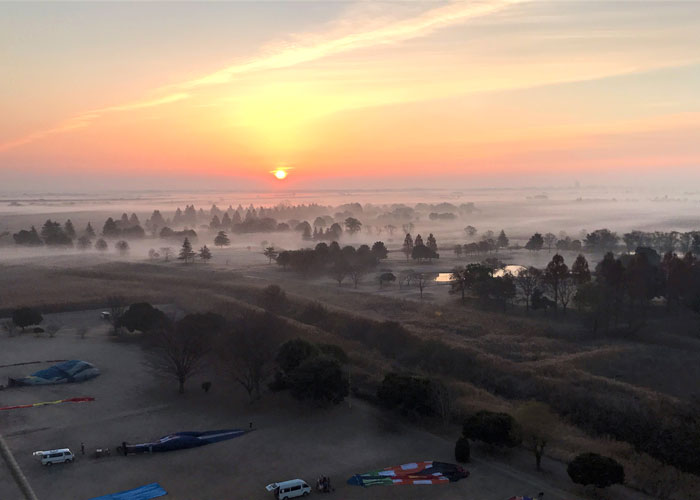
144,317
409,394
313,314
293,352
462,450
273,298
319,378
278,383
26,316
496,429
386,335
334,351
600,471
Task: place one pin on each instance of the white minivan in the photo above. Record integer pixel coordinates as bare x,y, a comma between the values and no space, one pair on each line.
289,489
63,455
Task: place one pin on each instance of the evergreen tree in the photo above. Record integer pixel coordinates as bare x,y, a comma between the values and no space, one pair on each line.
502,240
554,274
226,221
432,243
204,253
89,231
271,253
418,242
407,248
155,222
69,229
536,242
579,271
84,242
110,229
379,250
222,239
53,234
29,238
186,252
177,218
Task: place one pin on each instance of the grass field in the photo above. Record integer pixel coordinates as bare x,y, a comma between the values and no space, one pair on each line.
523,346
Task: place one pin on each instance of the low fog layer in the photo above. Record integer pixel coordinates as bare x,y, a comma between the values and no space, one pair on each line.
385,216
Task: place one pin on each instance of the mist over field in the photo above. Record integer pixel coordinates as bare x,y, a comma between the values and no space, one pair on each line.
386,250
520,212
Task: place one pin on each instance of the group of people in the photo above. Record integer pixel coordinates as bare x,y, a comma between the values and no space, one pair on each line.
323,484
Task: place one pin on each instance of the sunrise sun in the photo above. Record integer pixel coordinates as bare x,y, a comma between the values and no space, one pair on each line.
280,173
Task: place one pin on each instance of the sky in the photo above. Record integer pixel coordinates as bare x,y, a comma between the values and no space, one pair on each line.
165,95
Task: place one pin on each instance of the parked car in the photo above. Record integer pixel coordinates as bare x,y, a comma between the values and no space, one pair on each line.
60,456
289,489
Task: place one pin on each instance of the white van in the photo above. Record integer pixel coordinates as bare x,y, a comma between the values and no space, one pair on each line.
64,455
289,489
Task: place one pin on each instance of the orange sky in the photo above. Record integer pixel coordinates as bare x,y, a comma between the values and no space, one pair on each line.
452,90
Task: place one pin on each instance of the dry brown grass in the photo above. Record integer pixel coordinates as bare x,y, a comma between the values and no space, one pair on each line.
523,346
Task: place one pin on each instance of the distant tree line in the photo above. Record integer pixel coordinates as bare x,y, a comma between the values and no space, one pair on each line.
334,261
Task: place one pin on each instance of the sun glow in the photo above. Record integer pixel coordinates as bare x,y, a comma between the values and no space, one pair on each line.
280,173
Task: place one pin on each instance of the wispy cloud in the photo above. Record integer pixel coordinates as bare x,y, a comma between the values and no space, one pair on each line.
291,54
298,53
85,119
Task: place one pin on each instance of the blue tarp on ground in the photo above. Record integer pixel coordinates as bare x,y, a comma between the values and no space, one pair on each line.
62,373
183,440
147,492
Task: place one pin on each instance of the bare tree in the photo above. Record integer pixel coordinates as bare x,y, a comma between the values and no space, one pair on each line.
405,277
166,252
246,355
539,426
527,280
52,329
9,327
567,290
270,253
117,307
549,240
443,401
180,350
339,271
357,271
422,280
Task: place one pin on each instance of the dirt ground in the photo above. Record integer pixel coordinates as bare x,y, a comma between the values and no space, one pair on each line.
290,439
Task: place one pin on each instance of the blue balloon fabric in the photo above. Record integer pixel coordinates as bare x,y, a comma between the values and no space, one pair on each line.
153,490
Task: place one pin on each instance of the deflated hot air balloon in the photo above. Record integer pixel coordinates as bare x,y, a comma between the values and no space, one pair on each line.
427,472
